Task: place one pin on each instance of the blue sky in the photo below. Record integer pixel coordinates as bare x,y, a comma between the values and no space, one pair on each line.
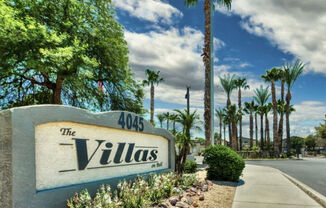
254,36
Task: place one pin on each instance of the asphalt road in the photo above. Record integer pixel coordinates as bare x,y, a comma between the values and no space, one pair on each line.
310,171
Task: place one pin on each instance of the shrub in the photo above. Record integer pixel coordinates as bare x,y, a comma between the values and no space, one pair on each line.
189,180
246,148
161,186
324,153
283,155
134,194
254,148
190,166
103,198
223,163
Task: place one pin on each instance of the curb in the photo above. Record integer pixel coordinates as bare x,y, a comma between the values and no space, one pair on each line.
319,198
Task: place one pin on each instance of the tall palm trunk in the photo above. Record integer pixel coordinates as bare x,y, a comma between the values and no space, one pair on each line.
173,125
224,133
288,99
275,132
268,139
256,129
152,104
240,119
234,136
56,99
221,130
228,103
280,127
262,131
207,62
251,131
167,124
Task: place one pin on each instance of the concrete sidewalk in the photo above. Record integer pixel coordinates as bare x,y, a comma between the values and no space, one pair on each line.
267,187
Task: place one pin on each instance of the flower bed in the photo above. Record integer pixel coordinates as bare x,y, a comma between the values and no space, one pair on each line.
137,193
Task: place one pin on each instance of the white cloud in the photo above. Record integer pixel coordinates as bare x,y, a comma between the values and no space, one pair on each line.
312,111
151,10
177,54
295,26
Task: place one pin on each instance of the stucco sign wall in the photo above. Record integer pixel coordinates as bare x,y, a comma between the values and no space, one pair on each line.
69,153
49,152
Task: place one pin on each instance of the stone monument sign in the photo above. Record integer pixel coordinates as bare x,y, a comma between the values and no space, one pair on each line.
49,152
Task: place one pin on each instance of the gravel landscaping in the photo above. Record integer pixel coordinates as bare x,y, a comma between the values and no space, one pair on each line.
220,195
204,193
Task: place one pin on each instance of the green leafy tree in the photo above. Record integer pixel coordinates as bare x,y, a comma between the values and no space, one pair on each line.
152,78
291,74
208,59
273,76
295,140
261,97
188,121
240,83
310,142
65,52
321,130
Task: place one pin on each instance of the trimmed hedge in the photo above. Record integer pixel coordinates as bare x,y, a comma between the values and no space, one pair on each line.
190,166
223,163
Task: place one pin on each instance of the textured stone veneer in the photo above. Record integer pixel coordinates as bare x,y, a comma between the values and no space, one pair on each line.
5,160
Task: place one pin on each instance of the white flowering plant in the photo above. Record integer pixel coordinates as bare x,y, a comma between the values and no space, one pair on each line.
138,193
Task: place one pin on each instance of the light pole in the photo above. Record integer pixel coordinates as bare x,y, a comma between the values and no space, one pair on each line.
188,97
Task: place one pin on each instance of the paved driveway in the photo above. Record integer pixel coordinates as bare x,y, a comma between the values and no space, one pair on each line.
309,171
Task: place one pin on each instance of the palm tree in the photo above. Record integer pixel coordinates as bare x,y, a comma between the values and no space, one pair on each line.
281,113
220,114
240,83
160,118
228,84
266,109
208,58
188,121
291,74
225,122
261,96
173,117
167,117
250,109
256,125
233,116
152,78
281,109
272,76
